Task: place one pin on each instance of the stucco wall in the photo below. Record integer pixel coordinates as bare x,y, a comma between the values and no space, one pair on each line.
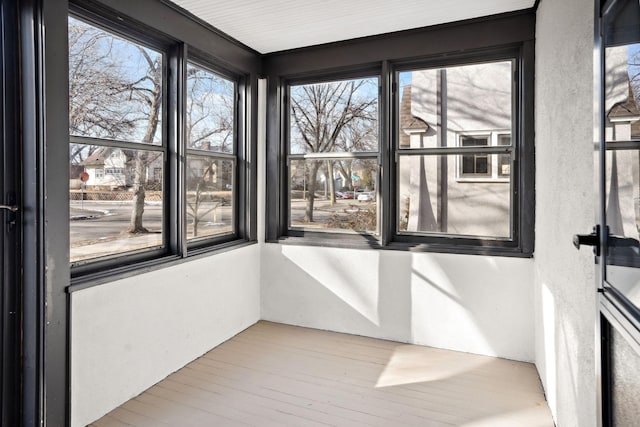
130,334
565,205
469,303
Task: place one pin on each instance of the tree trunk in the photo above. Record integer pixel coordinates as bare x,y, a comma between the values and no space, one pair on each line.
196,208
313,174
346,172
332,183
139,179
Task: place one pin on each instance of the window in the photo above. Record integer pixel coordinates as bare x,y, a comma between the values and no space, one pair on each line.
448,175
478,167
116,104
454,166
211,153
120,135
475,165
333,152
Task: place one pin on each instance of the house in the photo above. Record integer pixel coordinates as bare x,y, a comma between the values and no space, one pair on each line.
112,168
507,137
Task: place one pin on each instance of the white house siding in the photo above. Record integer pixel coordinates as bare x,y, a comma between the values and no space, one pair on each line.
622,174
565,204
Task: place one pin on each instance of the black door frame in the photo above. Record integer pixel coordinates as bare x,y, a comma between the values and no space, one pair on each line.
614,311
43,141
9,243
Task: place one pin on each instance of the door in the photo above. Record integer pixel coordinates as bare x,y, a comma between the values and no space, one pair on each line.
617,237
9,222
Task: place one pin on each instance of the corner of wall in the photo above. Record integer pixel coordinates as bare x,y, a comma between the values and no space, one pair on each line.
565,205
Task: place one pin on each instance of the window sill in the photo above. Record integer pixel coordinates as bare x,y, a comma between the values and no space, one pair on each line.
464,249
334,241
90,280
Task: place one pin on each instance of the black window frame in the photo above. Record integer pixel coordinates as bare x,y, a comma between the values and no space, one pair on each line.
206,63
327,77
176,55
509,37
449,242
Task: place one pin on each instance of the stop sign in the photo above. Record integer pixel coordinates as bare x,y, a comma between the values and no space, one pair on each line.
84,176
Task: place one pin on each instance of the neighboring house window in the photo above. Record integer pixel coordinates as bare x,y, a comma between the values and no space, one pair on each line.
333,152
454,174
477,167
120,123
114,171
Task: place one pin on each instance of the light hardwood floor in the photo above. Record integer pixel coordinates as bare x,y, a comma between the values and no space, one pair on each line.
276,375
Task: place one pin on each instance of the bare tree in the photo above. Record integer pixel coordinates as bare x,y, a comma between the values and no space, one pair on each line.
358,135
97,85
320,113
210,112
148,90
115,92
202,202
95,90
210,128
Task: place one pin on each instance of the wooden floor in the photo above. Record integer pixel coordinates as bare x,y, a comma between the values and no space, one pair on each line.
275,375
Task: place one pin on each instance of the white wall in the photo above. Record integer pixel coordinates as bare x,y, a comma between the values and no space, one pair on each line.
130,334
565,205
469,303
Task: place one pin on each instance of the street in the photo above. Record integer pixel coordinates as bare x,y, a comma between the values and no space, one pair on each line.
98,228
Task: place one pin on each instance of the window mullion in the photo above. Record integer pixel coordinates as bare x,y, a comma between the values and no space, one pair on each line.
175,181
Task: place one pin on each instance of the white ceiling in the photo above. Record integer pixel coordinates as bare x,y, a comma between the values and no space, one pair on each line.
273,25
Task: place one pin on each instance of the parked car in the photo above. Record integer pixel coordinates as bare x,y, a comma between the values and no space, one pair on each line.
347,195
366,197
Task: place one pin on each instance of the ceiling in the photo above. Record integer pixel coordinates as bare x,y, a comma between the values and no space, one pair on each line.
274,25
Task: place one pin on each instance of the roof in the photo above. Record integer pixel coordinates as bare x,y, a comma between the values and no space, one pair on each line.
98,157
408,122
626,110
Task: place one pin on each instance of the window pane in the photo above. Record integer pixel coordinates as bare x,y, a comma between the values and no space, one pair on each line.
432,200
476,166
340,116
115,86
210,111
210,196
346,202
119,206
436,105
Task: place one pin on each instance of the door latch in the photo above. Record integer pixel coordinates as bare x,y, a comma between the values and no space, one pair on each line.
592,239
10,208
